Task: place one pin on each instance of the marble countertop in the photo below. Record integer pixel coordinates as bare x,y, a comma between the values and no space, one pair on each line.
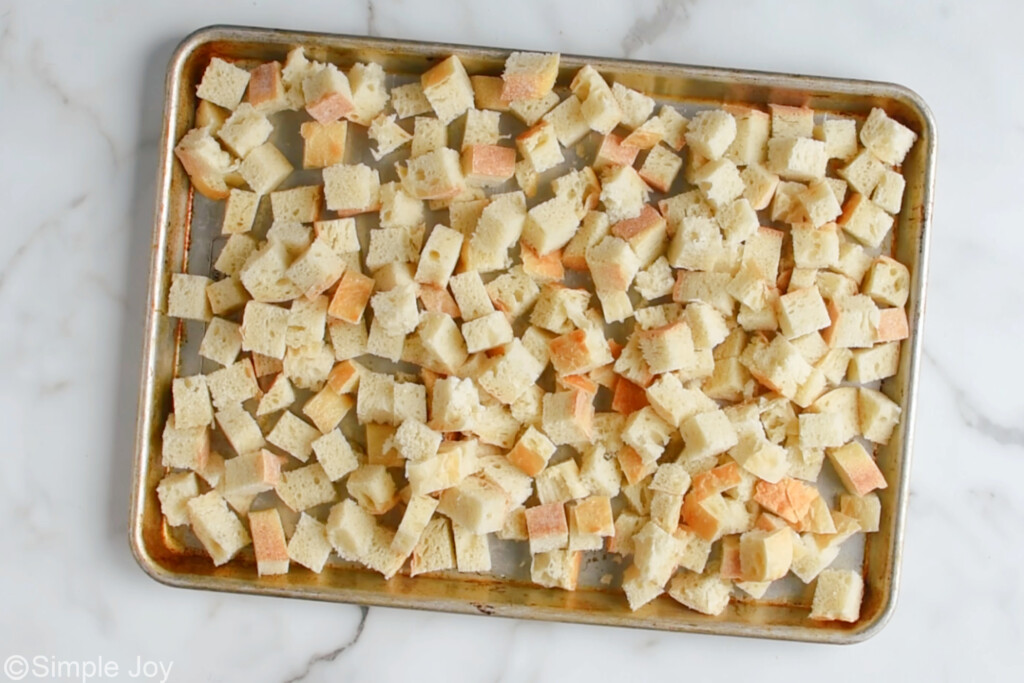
80,107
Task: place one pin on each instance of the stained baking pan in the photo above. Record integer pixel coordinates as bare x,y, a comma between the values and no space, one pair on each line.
183,242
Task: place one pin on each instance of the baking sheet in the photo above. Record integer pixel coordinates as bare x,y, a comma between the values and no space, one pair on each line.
186,236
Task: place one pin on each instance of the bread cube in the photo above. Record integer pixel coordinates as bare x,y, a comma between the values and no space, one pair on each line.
656,280
239,212
487,165
487,332
887,282
865,221
878,362
886,138
623,193
752,130
570,124
579,351
710,133
528,75
766,555
879,415
307,367
272,553
434,174
429,134
316,270
838,593
191,402
547,527
223,83
645,234
323,143
600,107
448,89
802,312
233,385
854,321
761,458
373,488
327,94
226,296
888,193
251,473
244,130
797,158
409,100
819,202
187,297
205,162
719,181
706,434
532,111
264,329
673,402
511,374
216,527
487,92
234,254
791,122
839,136
539,146
611,152
351,189
434,551
788,498
414,522
174,492
264,168
568,417
655,553
556,569
309,545
350,529
612,264
477,504
266,88
759,185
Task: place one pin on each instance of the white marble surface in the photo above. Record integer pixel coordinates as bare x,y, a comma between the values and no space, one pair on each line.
80,104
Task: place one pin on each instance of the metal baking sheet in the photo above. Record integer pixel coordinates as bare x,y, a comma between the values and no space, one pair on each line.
183,241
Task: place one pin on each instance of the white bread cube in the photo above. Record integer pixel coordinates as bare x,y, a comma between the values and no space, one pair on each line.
187,297
216,527
550,225
454,404
415,441
233,385
675,403
865,221
539,145
556,569
409,100
867,510
239,212
234,254
414,522
761,458
580,187
327,94
863,173
802,312
307,367
766,555
487,332
428,135
482,128
223,83
192,406
244,130
719,181
264,329
888,193
435,551
487,92
647,433
388,135
239,428
838,593
870,365
453,463
599,472
263,274
292,236
264,168
205,162
856,469
759,185
351,189
667,348
706,434
854,321
442,339
477,504
316,270
815,247
210,116
496,469
839,136
369,93
226,296
350,529
623,193
878,415
791,122
600,107
373,488
385,344
646,234
436,174
323,144
294,436
393,245
397,209
655,553
470,295
395,310
886,138
547,527
511,374
613,264
335,455
696,245
752,131
532,111
175,490
710,288
710,133
556,308
579,351
513,292
350,299
307,320
268,542
887,282
785,205
528,75
568,417
595,227
308,545
819,202
800,158
656,280
252,473
472,551
439,256
673,127
569,122
348,339
488,165
638,590
635,106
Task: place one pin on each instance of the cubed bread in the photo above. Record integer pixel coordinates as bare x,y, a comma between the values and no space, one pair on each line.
556,569
351,189
878,362
409,100
369,92
350,297
308,545
223,83
888,193
706,434
788,498
528,75
418,513
244,130
886,138
206,164
710,133
878,415
761,457
802,312
428,135
448,89
175,490
187,297
655,553
865,221
234,254
216,527
532,111
547,527
268,541
887,282
487,332
477,504
388,135
434,551
509,375
646,234
485,165
327,94
323,144
667,348
435,174
838,594
854,321
568,417
839,136
539,145
568,120
350,529
264,168
623,193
